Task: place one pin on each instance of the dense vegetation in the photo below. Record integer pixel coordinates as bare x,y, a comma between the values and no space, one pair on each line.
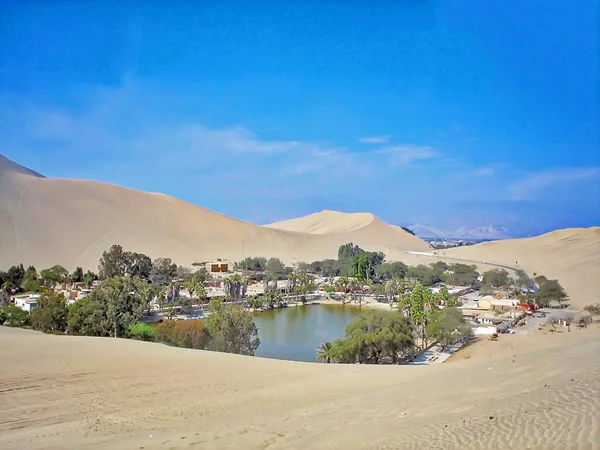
127,283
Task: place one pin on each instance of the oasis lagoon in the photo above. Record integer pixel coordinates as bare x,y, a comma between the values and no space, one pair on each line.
294,333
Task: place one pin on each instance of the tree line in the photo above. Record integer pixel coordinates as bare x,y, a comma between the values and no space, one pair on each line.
377,337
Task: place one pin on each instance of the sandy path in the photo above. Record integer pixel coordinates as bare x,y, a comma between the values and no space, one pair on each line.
76,392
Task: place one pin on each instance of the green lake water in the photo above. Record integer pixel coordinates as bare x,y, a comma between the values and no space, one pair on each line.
294,333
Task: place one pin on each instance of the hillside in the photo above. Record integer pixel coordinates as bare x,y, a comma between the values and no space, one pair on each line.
326,222
85,392
45,221
571,255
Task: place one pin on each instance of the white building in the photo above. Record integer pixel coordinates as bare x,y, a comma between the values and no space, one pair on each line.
27,303
487,330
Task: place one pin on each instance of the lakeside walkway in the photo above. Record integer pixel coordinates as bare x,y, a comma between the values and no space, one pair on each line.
435,354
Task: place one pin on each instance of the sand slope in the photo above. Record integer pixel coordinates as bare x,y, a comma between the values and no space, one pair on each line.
80,392
570,255
47,221
326,222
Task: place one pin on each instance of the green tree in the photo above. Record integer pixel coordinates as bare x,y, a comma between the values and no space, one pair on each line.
387,271
121,305
417,306
304,284
13,316
376,337
4,295
549,291
163,271
496,278
327,353
55,275
364,265
113,263
137,265
446,326
275,267
50,314
235,286
86,318
14,277
89,278
349,251
253,264
231,329
141,331
77,275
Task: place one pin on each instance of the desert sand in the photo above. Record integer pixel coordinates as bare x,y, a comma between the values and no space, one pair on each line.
45,221
537,392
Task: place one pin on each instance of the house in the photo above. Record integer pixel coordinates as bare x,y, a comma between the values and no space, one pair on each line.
218,266
486,330
492,303
27,303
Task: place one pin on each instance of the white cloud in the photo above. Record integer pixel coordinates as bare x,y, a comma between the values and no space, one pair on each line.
384,139
403,155
533,184
486,170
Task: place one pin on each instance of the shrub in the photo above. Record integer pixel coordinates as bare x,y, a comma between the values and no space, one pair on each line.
183,333
142,331
165,332
13,316
51,313
191,334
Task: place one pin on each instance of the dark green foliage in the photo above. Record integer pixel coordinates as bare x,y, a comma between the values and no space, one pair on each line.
549,291
50,314
112,263
387,271
365,264
89,278
86,318
349,251
423,274
115,262
141,331
109,310
13,277
462,275
446,326
275,267
13,316
254,264
231,329
378,336
4,297
163,271
77,275
137,265
56,274
496,278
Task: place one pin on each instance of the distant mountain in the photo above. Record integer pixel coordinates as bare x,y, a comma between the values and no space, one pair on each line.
491,232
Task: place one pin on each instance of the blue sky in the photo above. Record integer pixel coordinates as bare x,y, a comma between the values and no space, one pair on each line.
450,114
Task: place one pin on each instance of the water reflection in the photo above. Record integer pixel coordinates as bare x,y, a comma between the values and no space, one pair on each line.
294,333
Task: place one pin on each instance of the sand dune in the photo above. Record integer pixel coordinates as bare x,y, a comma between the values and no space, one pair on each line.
46,221
326,222
571,255
537,392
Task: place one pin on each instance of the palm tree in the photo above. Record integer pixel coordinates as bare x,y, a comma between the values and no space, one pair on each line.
161,298
235,286
326,353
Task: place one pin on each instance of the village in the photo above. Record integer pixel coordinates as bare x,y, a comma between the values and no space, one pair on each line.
489,313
